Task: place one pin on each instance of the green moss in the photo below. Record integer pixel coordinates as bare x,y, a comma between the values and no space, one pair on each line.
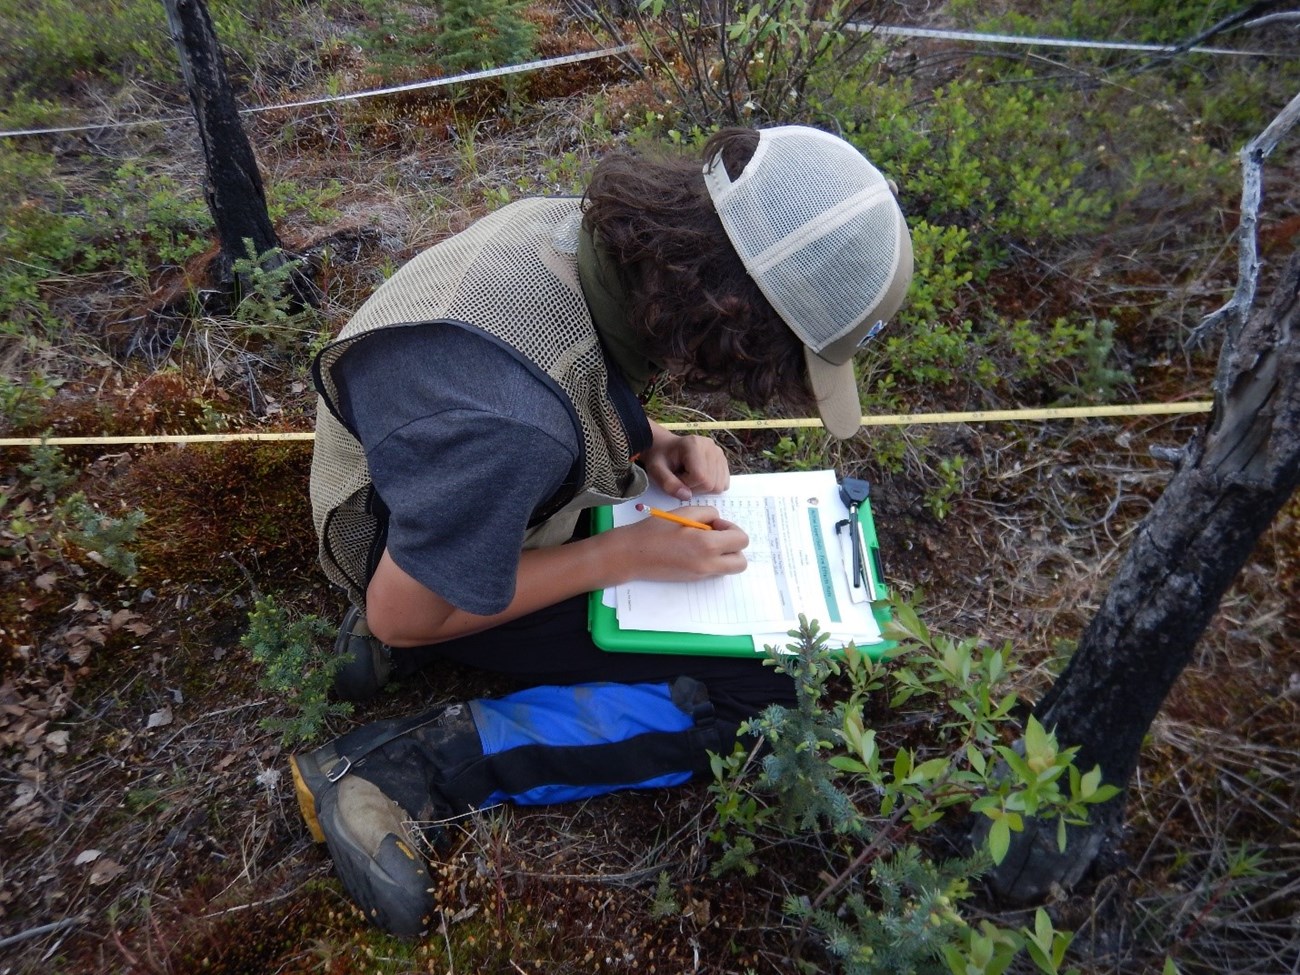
213,507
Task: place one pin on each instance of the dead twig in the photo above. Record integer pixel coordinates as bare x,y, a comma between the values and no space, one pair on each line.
1252,179
42,930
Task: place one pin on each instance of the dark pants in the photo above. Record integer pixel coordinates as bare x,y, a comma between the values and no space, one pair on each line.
553,646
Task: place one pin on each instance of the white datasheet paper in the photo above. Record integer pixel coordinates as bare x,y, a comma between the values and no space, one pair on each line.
796,565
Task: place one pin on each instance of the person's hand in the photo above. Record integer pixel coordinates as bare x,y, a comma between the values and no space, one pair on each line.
685,466
664,551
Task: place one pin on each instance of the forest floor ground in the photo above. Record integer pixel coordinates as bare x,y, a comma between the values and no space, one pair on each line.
149,819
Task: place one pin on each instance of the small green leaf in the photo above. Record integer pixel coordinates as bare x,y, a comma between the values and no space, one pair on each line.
999,839
911,623
1040,957
1016,763
986,803
921,819
1043,929
902,764
928,771
847,764
955,960
867,748
1036,741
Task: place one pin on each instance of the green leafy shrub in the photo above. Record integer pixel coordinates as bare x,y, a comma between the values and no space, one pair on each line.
972,208
44,44
270,307
951,484
459,35
138,222
55,45
871,802
1146,21
1083,347
169,223
22,402
60,528
397,38
476,34
738,63
801,450
102,537
948,154
295,668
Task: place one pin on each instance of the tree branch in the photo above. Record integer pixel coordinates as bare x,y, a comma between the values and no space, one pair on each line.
1252,165
1241,17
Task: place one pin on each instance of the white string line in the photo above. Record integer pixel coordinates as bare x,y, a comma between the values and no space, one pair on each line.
895,31
354,96
965,35
894,420
458,79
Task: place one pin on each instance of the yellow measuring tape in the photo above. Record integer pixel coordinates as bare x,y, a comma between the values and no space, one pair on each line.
896,420
974,416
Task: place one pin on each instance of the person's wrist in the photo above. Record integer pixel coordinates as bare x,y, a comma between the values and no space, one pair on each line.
661,437
612,558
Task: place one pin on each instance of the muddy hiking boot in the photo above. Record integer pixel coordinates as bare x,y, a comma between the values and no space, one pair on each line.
367,663
363,793
369,836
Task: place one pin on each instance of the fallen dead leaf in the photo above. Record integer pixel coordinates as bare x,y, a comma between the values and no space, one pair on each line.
79,653
106,869
121,618
23,796
87,856
159,719
698,910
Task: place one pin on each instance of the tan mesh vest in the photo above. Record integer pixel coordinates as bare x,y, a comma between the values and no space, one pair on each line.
514,275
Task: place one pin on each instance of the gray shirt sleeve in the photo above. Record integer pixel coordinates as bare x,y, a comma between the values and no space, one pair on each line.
464,443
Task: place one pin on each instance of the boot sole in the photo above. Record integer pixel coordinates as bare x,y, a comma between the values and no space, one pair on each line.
392,888
306,800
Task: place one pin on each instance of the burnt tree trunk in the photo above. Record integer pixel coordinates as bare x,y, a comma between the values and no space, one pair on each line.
233,188
1232,480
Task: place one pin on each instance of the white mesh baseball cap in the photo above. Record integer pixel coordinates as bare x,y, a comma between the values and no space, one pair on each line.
819,231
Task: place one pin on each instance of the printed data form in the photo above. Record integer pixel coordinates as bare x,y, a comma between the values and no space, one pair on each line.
795,565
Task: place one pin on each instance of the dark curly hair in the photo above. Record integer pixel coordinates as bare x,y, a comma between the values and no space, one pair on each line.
692,302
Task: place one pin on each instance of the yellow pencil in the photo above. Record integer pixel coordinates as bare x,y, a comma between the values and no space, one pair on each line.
669,516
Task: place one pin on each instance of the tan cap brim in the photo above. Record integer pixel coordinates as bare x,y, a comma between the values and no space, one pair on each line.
836,389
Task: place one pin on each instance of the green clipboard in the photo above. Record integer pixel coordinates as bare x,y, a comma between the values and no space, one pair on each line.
602,620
